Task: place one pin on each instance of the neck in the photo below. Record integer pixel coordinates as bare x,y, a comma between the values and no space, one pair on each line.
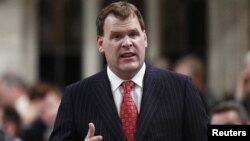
126,76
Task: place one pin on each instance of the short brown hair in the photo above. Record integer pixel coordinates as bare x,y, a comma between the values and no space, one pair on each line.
121,10
41,90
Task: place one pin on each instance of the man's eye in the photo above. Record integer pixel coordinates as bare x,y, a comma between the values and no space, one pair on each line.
117,36
133,34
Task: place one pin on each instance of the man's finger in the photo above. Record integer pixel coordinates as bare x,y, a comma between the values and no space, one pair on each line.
91,131
97,138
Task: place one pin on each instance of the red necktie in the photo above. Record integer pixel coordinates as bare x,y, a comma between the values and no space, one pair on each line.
128,112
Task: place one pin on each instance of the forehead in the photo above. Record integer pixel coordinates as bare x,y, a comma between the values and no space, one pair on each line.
113,23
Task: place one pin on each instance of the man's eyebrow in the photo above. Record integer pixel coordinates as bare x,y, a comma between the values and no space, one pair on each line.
118,32
134,30
115,32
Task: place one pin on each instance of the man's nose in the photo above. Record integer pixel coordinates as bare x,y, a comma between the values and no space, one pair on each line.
126,42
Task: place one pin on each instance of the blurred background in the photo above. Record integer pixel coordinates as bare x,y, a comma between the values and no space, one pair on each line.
55,40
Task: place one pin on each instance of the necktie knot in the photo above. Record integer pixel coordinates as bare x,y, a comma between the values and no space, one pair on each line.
127,86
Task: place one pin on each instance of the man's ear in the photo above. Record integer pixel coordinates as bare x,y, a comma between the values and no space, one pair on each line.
99,41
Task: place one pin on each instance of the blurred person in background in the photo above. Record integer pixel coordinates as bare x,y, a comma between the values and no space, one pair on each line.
191,65
2,133
242,93
229,113
11,124
46,96
13,92
161,62
1,116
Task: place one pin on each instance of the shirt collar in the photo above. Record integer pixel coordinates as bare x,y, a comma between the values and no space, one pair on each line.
115,81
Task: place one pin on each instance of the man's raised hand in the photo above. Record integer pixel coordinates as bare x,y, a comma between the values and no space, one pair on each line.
90,136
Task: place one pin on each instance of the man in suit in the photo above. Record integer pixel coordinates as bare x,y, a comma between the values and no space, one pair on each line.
162,105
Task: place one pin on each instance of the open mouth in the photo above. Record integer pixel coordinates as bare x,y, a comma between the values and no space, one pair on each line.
127,55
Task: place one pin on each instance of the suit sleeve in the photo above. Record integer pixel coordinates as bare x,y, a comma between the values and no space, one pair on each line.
64,129
195,116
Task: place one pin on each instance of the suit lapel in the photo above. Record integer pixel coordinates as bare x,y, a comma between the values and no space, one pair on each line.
104,101
150,100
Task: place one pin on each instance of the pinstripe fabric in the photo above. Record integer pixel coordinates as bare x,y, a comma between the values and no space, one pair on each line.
171,109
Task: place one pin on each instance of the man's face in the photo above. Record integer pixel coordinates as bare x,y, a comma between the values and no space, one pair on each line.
227,117
47,107
123,44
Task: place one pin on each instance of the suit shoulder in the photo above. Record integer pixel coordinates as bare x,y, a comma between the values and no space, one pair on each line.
177,75
169,75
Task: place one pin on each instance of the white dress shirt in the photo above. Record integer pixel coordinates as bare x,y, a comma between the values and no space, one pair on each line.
117,89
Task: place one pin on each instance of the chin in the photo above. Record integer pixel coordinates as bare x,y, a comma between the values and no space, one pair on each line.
131,67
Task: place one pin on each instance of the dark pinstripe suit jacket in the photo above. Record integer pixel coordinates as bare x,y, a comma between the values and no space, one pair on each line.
171,110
